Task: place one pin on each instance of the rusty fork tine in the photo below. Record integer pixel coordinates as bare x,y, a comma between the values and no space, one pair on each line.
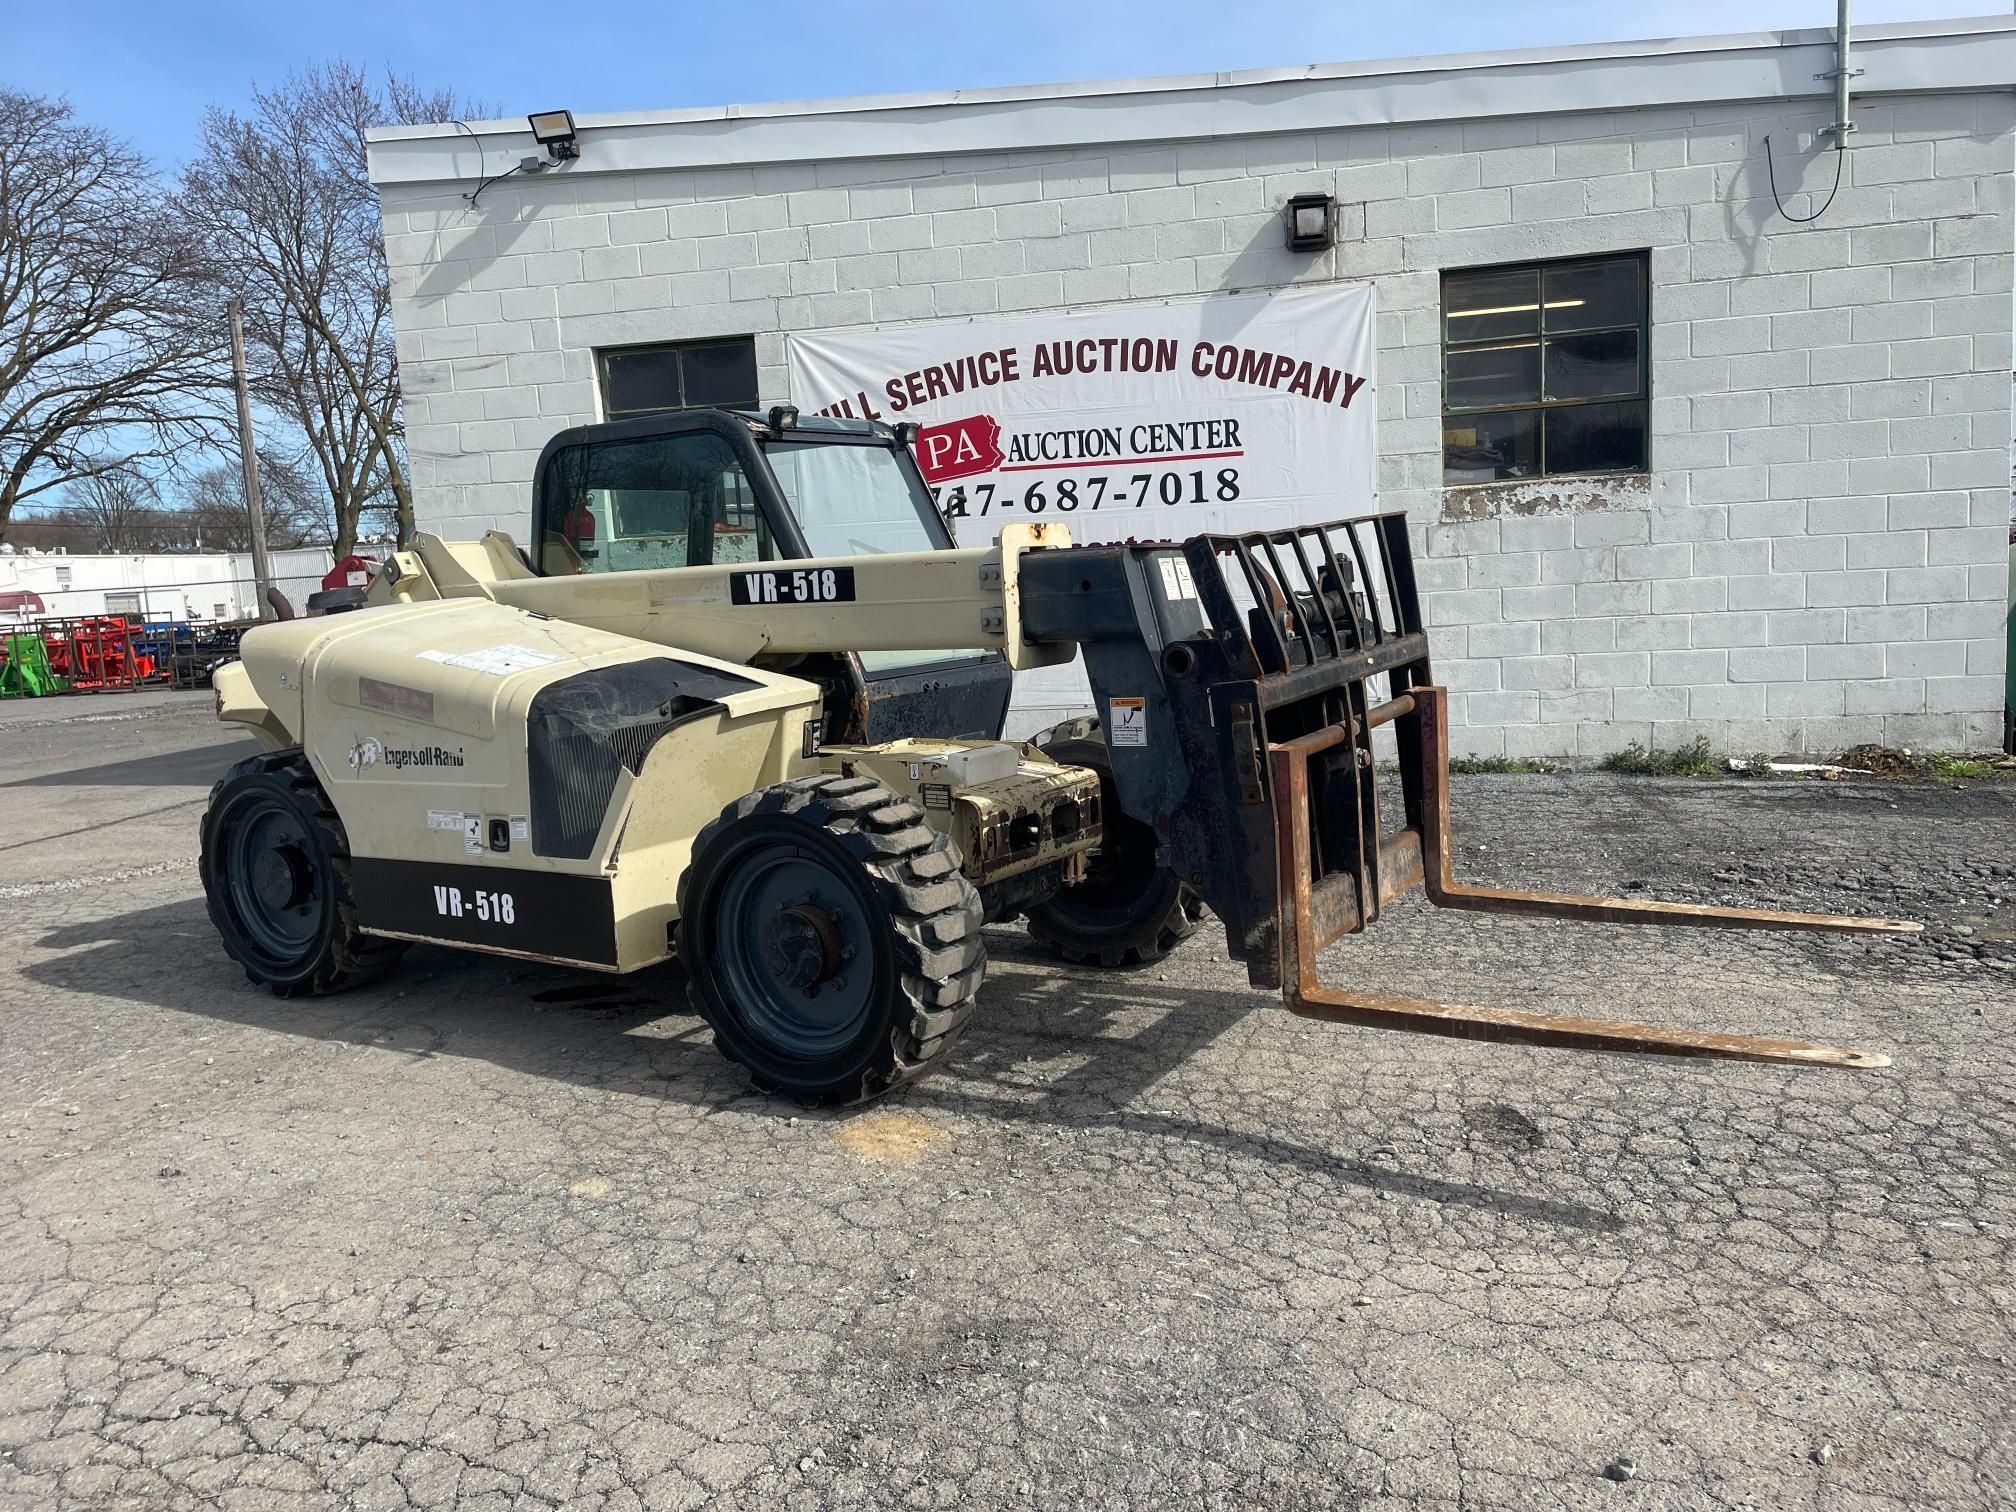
1445,892
1557,1031
1300,938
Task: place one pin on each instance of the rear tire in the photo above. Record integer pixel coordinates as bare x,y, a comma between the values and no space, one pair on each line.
831,939
276,877
1129,911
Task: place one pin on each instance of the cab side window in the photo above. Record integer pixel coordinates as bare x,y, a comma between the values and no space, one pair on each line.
657,501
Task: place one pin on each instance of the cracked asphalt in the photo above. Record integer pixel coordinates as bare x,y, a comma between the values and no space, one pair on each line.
498,1236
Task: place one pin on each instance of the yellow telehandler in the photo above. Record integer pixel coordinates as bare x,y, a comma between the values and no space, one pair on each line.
741,701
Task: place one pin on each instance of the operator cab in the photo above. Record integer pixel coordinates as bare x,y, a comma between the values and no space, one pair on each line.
698,488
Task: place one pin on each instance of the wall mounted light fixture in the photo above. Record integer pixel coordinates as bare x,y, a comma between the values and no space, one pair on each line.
1311,222
554,130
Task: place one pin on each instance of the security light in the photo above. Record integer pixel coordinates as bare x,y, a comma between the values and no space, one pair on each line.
1311,222
783,417
554,130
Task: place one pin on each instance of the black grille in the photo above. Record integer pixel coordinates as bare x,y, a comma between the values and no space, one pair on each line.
586,729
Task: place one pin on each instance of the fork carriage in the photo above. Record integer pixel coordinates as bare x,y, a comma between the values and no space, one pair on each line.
1262,665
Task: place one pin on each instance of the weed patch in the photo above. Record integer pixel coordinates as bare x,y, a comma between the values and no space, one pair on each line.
1691,760
1477,765
1939,766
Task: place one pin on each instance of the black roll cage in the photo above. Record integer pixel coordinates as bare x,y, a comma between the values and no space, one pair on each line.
741,433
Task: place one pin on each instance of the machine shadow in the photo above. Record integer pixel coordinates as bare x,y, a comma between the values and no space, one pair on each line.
583,1028
198,767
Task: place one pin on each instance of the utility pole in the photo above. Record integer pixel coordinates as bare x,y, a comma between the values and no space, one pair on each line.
248,458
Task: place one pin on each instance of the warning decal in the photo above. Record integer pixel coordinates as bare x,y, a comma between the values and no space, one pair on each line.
1127,722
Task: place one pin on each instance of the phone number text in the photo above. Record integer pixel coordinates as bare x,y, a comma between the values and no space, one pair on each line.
1122,491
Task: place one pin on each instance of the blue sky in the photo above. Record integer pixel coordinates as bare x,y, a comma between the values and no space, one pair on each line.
146,69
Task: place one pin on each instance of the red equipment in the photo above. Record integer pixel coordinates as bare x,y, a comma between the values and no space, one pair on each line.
353,571
95,653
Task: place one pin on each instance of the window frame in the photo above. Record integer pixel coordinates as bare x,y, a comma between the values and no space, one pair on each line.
745,498
742,438
1641,257
679,349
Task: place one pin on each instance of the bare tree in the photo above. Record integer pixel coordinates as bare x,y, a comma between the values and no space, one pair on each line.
119,505
97,288
214,517
50,530
295,233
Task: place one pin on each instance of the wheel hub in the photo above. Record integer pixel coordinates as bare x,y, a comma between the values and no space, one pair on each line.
801,946
269,867
282,877
793,925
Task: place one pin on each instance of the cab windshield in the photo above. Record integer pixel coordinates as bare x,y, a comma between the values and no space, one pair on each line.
851,500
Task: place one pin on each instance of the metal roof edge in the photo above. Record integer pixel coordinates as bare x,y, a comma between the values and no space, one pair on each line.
1962,53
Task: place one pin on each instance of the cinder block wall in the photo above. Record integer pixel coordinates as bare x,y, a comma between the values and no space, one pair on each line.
1818,557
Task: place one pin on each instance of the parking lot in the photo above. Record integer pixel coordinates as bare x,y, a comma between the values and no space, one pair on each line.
491,1235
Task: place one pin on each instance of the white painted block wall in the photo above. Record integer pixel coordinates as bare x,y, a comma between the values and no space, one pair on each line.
1818,557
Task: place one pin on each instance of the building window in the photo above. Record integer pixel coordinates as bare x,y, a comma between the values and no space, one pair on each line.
1544,370
688,375
122,603
62,577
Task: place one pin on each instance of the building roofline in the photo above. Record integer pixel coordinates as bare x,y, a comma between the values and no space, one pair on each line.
1962,54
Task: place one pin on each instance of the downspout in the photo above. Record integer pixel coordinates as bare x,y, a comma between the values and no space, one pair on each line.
1841,75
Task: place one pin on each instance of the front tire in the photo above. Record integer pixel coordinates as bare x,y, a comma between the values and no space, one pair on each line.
1129,911
831,939
276,877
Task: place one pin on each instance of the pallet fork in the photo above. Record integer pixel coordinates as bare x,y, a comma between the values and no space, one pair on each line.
1255,657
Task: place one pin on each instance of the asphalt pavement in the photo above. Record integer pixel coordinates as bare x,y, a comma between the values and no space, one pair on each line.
490,1235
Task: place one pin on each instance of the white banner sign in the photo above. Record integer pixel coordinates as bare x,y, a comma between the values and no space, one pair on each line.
1134,420
1128,422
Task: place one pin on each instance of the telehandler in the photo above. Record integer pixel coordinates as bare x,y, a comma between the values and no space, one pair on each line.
742,702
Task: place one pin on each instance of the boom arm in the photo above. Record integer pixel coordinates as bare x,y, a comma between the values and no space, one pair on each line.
908,601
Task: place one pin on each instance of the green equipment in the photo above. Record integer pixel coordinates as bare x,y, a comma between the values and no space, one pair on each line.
24,668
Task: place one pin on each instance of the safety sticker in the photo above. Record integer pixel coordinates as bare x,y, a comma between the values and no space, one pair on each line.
1127,723
496,661
472,834
446,819
521,827
1176,580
